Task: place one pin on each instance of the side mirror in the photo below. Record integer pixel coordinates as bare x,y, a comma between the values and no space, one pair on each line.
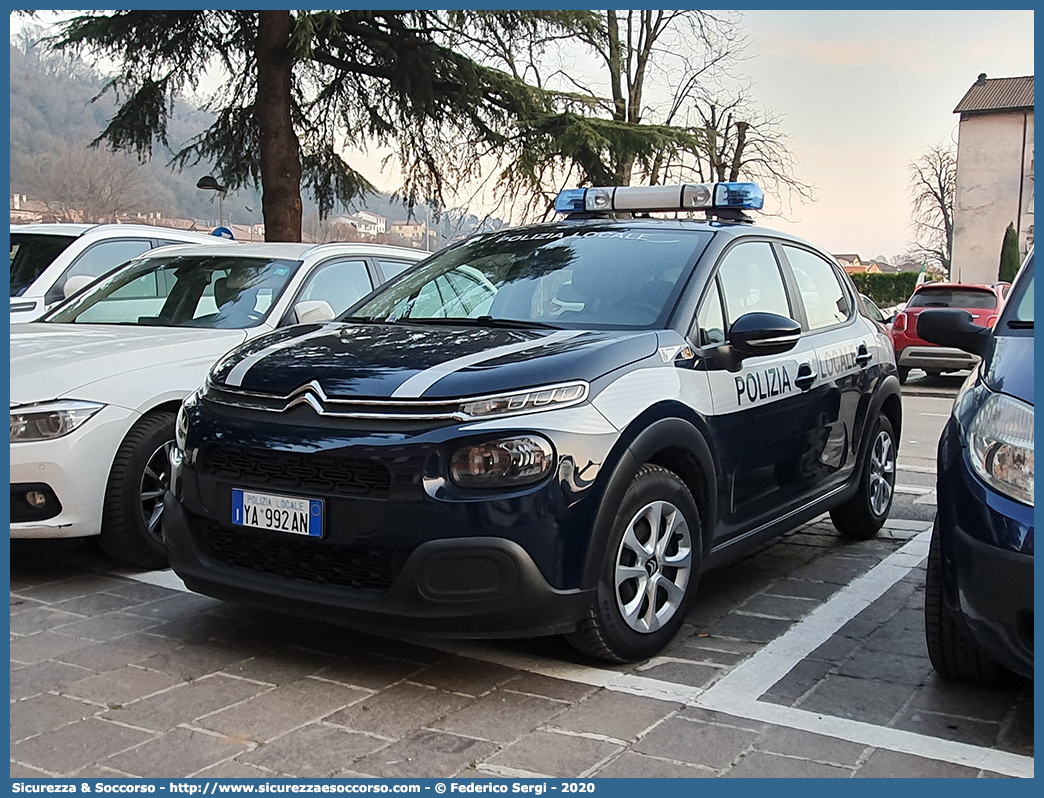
76,284
763,334
953,327
312,311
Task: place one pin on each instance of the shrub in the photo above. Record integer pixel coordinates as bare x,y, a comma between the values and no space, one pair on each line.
1009,256
886,289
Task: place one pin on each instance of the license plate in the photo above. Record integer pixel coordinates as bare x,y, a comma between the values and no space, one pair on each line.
277,513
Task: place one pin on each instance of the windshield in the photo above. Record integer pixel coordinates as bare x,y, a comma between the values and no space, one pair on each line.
1019,309
597,276
953,298
32,253
216,291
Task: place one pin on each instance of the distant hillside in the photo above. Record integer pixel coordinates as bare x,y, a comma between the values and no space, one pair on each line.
53,118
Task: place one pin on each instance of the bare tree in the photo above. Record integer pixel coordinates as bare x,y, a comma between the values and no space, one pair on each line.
323,231
933,184
85,184
661,104
741,142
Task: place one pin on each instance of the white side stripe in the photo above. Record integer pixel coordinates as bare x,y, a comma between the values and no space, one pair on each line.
239,371
416,385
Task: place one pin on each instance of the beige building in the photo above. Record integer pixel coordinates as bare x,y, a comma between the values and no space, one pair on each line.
994,175
418,234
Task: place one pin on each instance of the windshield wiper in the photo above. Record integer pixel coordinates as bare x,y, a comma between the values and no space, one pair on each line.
487,321
366,319
1020,324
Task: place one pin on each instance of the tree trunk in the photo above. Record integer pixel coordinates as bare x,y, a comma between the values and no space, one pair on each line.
737,157
280,151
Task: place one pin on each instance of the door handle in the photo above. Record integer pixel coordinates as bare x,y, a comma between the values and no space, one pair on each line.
862,357
805,376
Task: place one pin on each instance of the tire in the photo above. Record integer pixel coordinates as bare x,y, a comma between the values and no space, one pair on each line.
904,372
625,624
130,532
953,653
863,515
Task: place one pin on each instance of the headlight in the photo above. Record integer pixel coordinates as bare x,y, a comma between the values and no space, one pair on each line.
49,420
507,462
1000,446
548,397
181,424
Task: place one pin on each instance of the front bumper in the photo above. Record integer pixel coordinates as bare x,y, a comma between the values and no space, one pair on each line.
402,548
935,358
76,468
995,599
986,541
467,587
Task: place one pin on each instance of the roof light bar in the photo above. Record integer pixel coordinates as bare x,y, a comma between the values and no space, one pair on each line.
690,197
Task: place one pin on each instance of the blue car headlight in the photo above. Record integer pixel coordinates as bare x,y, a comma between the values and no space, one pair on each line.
502,463
1000,446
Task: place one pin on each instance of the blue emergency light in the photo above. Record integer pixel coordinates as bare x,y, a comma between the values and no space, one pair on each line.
689,197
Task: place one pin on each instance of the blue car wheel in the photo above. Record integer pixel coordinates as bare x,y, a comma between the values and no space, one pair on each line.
954,654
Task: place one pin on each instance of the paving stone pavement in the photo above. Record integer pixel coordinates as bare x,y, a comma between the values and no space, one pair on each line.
114,677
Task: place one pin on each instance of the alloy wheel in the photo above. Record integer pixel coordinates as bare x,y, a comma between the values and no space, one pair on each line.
653,567
882,473
155,480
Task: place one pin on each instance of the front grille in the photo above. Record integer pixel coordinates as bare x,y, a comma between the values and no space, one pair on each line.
315,474
302,559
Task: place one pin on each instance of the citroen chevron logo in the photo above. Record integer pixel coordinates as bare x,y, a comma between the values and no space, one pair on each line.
311,394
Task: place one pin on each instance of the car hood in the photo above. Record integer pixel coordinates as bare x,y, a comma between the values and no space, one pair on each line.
430,361
1008,366
51,361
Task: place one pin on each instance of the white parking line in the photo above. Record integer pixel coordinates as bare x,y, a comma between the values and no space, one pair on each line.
737,693
914,490
916,468
754,677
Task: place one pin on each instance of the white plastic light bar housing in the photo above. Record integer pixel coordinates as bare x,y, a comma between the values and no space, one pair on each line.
689,197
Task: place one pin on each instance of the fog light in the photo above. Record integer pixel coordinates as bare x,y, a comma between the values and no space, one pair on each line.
506,462
35,498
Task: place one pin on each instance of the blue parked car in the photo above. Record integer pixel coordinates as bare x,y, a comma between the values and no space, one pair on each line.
979,592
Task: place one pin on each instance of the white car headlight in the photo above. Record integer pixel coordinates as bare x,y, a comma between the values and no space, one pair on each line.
50,419
1000,446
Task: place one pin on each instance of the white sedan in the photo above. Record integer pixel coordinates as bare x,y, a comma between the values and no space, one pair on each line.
96,384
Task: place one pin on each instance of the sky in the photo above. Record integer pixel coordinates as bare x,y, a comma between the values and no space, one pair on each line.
861,94
864,93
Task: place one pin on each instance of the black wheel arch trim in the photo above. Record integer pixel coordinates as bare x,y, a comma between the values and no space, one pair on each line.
660,428
886,399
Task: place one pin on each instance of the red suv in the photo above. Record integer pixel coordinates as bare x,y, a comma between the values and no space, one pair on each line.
983,302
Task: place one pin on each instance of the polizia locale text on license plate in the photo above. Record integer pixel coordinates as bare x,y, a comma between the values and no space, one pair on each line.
277,513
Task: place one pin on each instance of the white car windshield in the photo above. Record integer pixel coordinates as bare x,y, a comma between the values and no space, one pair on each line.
32,253
215,291
596,275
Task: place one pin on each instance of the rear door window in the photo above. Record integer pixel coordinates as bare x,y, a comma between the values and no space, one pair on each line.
825,300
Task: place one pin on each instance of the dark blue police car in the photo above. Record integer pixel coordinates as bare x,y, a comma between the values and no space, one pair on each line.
979,583
543,430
